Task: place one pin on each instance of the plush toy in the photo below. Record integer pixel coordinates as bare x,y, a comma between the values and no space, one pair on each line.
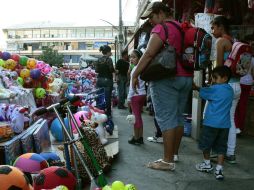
15,115
56,85
100,119
3,109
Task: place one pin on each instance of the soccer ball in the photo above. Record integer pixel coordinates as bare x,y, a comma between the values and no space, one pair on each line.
54,176
13,178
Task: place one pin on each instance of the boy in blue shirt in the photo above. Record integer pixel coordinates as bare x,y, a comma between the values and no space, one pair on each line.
216,122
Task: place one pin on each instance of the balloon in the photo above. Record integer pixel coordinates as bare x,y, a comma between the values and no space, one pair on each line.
31,63
15,57
56,129
2,63
31,162
24,73
40,93
6,56
20,81
23,60
130,187
10,64
35,73
117,185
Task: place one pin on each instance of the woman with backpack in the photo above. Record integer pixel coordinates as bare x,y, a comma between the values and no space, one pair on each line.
105,69
224,42
169,95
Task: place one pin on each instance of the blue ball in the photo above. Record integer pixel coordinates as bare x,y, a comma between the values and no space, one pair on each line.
56,129
50,156
6,56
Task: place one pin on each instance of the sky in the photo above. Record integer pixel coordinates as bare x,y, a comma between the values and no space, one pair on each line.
71,11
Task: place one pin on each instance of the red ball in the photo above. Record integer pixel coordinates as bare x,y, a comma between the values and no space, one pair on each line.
15,57
54,176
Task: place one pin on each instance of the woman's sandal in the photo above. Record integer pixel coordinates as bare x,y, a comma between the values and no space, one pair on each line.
161,165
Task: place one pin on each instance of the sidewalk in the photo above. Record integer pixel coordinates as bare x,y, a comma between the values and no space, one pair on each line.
129,166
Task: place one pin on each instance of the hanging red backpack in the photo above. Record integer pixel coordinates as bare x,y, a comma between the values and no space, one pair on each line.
196,47
239,59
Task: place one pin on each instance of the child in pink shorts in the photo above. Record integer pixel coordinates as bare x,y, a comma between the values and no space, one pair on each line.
137,100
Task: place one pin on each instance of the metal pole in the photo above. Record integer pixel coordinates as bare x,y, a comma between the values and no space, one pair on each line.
174,9
120,38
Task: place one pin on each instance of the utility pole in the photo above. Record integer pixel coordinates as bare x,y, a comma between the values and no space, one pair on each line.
120,34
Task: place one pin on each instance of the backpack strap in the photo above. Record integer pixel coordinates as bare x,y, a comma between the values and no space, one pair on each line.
166,33
181,32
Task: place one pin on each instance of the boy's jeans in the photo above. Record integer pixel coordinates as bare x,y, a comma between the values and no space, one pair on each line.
232,131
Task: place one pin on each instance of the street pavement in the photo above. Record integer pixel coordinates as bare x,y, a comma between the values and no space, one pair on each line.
130,164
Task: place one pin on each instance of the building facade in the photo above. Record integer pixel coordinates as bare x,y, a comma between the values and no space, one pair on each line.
70,40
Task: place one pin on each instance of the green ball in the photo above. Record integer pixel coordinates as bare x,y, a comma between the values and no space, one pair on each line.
117,185
106,188
130,187
20,80
2,63
23,60
40,93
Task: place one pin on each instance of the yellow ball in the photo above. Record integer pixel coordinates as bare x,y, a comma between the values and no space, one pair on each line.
130,187
31,63
117,185
10,64
24,73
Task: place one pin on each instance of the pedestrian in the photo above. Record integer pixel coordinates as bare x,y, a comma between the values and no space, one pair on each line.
122,67
224,42
216,121
137,100
169,95
105,69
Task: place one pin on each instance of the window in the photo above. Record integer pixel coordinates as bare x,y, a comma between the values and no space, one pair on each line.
11,34
45,33
71,33
99,33
28,34
53,33
108,33
90,32
62,33
81,33
36,33
19,34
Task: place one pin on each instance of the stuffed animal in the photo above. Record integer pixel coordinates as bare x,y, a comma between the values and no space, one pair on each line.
15,115
56,85
100,119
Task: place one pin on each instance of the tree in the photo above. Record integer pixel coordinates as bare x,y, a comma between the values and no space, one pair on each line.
52,57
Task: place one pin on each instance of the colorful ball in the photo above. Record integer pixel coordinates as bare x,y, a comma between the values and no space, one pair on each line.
61,187
40,93
54,176
15,57
31,163
2,63
56,129
10,64
23,60
13,178
6,56
35,74
20,81
24,73
130,187
31,63
117,185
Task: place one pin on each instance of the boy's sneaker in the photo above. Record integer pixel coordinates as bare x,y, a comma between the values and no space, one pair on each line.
155,139
203,167
230,159
219,174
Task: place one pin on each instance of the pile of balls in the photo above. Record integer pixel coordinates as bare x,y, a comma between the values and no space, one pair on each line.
118,185
32,73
